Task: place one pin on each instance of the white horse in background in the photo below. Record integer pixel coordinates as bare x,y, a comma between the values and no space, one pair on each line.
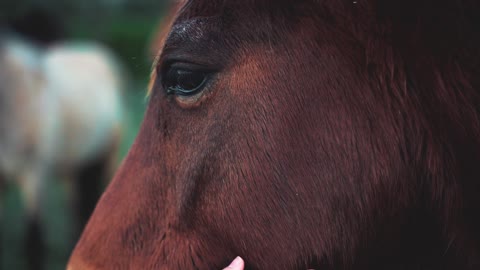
60,118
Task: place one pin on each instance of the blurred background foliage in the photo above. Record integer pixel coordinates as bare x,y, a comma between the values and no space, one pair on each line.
127,27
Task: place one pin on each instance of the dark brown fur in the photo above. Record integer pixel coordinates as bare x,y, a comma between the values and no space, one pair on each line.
336,135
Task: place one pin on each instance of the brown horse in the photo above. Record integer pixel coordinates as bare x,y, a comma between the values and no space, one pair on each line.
303,134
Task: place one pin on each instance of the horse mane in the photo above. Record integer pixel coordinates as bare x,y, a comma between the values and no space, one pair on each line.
423,59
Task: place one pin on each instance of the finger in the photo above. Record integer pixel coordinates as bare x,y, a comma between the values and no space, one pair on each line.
237,264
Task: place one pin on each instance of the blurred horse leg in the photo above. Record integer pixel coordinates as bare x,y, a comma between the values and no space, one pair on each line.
2,194
32,189
90,181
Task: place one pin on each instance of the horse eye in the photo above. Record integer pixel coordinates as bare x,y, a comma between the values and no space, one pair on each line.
184,82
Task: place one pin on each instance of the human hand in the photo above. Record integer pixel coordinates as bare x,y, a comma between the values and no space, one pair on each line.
237,264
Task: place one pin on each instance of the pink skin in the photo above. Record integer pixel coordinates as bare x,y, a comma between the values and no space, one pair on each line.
237,264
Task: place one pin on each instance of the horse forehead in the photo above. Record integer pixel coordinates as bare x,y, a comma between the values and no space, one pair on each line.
192,29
